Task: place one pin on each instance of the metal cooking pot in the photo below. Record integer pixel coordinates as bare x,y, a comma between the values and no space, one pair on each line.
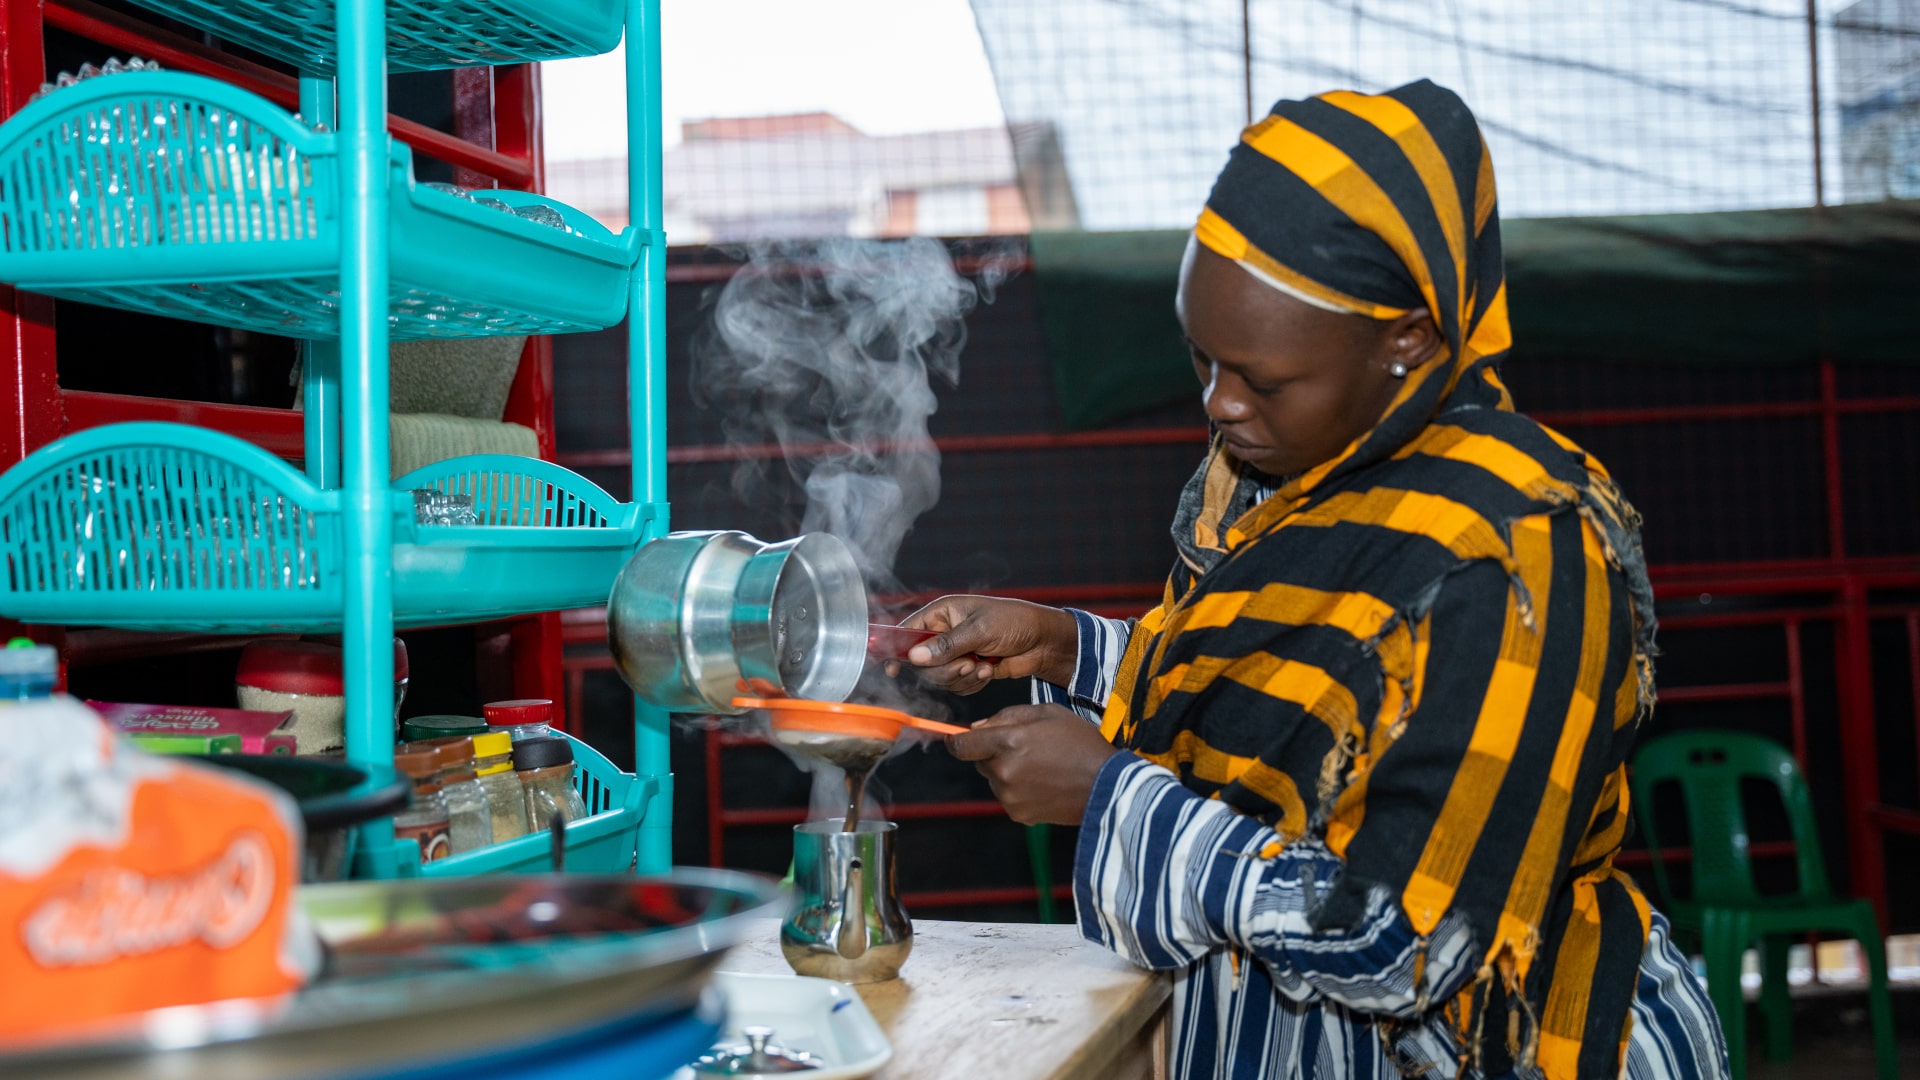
697,618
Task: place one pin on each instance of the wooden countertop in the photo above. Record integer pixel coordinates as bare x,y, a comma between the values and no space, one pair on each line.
1010,1001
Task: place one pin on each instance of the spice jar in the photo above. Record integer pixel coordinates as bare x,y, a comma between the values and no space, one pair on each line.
506,797
470,821
424,821
522,718
423,728
545,765
309,678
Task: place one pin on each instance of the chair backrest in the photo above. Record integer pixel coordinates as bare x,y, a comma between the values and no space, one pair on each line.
1708,766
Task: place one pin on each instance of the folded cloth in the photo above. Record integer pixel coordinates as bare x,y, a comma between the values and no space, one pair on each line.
131,882
469,377
418,441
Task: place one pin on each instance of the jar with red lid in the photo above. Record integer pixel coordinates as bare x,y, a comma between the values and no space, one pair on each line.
522,718
424,821
309,678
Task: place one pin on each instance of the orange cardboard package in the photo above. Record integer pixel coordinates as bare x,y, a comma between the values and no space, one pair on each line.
132,882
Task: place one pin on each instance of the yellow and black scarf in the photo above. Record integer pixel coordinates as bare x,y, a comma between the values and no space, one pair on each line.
1288,658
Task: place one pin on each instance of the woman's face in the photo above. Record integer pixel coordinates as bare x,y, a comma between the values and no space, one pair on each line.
1288,384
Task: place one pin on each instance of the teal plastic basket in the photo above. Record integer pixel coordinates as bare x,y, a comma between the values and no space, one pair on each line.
182,196
157,526
548,539
605,841
421,35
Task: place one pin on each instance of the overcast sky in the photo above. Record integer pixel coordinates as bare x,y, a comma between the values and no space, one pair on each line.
885,66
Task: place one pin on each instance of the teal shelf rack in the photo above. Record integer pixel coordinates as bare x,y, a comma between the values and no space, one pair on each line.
159,526
603,842
422,35
182,196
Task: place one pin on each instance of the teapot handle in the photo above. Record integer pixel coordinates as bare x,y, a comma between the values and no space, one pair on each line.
850,941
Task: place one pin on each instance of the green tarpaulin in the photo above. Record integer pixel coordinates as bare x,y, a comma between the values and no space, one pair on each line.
1757,286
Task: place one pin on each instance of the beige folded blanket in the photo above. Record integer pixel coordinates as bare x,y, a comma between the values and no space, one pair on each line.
423,439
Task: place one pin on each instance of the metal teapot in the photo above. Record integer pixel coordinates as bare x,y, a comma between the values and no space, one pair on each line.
846,922
696,619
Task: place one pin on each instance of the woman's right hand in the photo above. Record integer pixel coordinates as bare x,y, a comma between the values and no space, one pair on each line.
1024,640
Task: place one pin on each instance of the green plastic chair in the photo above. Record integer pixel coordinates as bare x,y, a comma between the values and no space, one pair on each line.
1726,910
1040,859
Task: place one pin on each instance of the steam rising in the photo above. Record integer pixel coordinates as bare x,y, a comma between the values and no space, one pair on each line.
828,349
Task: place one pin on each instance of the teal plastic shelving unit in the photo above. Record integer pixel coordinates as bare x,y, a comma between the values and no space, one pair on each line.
603,842
179,195
422,35
157,526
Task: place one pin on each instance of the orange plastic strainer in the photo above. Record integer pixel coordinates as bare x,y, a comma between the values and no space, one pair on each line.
840,718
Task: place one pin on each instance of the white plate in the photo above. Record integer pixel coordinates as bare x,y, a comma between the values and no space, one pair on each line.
822,1017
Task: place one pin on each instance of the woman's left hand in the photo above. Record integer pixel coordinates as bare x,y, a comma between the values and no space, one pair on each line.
1041,760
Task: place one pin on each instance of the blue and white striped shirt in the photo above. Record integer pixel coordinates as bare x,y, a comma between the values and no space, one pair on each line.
1177,882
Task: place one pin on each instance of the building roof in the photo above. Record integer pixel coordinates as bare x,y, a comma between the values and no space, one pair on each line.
804,170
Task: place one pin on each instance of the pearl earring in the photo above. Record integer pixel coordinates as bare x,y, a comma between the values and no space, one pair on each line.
1397,370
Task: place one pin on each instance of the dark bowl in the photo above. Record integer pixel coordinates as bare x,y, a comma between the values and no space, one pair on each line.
333,796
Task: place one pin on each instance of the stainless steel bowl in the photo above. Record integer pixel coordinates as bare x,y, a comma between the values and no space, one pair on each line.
696,619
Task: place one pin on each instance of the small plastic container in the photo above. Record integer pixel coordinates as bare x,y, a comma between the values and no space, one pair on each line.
469,818
545,765
309,678
522,718
423,728
425,819
506,796
27,671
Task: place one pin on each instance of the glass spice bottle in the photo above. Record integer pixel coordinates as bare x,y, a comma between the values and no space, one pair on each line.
470,821
545,765
523,718
424,821
506,797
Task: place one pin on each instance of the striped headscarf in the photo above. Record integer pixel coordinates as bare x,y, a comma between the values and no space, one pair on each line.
1431,651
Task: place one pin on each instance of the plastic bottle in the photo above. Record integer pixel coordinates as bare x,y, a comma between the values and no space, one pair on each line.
545,765
28,672
522,718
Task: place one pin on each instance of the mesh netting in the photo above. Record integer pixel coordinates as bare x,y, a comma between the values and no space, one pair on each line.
1649,106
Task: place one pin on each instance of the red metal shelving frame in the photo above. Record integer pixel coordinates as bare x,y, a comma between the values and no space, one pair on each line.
497,141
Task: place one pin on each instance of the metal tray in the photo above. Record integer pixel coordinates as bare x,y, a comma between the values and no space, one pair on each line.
425,972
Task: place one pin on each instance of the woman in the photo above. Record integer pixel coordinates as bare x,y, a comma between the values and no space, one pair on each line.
1359,778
